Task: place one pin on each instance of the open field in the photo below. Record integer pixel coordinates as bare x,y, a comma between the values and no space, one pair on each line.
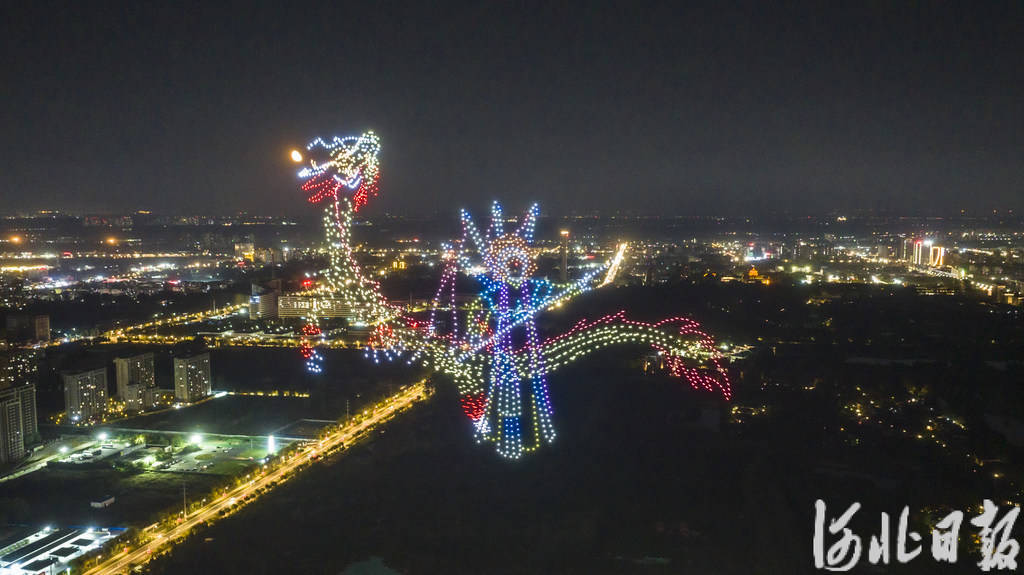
230,415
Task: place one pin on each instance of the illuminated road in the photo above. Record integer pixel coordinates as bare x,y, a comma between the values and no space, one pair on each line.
165,536
125,333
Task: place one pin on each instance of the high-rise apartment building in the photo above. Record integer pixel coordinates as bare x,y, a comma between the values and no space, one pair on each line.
12,436
192,377
85,394
135,375
19,426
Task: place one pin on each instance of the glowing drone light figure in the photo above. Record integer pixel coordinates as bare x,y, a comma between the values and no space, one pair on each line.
307,349
489,346
510,295
497,359
336,166
346,163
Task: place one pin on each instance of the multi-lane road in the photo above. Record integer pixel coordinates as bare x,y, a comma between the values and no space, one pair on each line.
161,537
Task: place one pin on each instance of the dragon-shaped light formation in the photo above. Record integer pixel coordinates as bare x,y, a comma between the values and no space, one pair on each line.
337,169
348,163
490,345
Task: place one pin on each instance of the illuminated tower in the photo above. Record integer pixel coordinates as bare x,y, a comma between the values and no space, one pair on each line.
907,249
563,276
918,252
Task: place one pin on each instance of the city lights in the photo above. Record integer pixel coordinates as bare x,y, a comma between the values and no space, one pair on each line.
497,288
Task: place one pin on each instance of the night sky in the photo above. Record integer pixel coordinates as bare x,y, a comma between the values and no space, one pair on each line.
657,108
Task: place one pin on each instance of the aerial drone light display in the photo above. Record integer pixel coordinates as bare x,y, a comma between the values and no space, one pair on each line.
490,346
341,164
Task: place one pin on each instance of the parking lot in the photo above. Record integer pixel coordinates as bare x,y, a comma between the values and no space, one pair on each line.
204,454
217,456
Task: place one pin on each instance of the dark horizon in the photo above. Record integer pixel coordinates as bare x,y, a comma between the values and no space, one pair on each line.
704,109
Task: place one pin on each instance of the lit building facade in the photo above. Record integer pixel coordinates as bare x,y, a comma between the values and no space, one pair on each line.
192,377
135,375
19,424
12,426
918,258
245,251
263,302
85,395
313,306
269,256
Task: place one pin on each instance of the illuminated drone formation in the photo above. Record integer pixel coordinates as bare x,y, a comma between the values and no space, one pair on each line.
348,163
510,296
338,169
489,346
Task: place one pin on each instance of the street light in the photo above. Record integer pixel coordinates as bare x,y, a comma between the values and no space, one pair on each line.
103,436
63,449
196,438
